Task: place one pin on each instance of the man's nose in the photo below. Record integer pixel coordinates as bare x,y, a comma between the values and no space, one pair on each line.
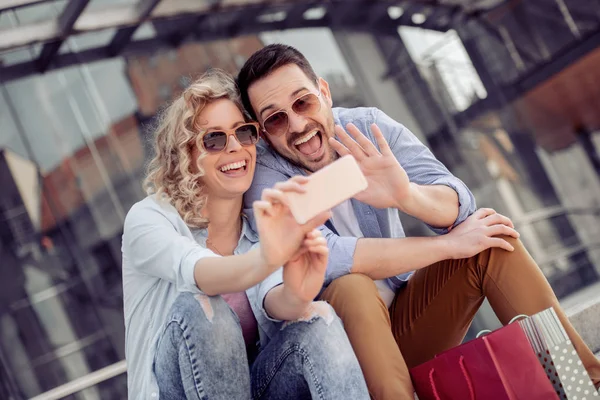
297,123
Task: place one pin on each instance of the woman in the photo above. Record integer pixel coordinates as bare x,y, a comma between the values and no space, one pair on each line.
199,293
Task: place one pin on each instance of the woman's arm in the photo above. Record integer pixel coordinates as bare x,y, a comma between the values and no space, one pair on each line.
231,274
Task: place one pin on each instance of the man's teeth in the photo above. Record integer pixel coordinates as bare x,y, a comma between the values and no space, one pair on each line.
305,138
234,165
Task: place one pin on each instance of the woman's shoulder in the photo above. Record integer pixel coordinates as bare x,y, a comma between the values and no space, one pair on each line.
152,209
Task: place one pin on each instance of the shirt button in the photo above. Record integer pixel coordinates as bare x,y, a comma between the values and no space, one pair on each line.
153,394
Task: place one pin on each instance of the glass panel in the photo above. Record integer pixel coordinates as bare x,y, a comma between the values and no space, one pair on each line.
7,20
22,54
88,40
61,219
174,7
145,31
103,4
39,12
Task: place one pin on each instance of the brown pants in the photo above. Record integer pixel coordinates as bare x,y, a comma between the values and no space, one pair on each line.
433,312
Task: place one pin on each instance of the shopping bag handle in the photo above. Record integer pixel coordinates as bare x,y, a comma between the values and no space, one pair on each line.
483,332
461,362
516,318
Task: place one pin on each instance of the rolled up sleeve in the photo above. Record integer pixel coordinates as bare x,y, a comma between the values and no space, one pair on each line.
466,200
151,245
341,254
272,281
422,167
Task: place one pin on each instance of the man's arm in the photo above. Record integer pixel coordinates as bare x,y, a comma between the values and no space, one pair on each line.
383,258
436,205
404,174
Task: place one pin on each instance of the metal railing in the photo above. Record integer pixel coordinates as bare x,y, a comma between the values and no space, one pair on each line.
84,382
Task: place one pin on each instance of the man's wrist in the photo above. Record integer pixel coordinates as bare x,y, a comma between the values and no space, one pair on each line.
409,200
445,247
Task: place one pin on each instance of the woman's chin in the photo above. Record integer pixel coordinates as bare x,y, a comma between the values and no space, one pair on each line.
234,189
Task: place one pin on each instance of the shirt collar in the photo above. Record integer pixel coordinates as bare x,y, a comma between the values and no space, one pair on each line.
247,230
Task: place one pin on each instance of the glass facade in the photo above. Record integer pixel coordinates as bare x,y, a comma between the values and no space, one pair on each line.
73,146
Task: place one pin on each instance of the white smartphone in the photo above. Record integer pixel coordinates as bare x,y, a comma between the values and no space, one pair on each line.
327,188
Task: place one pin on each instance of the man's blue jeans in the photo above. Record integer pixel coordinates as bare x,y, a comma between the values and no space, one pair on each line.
202,355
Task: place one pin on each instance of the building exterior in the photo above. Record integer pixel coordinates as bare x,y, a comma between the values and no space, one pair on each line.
63,204
74,143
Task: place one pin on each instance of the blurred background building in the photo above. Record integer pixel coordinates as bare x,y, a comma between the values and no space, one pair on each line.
506,93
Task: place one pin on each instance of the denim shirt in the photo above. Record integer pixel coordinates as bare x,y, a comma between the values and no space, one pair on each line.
417,160
159,255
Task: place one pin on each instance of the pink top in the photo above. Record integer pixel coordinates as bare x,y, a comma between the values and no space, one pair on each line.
241,306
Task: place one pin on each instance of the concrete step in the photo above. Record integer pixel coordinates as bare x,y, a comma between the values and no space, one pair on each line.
583,309
585,317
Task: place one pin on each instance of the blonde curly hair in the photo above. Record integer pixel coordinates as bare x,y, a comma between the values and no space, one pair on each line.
169,174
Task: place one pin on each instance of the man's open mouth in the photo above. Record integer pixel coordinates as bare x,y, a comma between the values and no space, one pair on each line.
310,144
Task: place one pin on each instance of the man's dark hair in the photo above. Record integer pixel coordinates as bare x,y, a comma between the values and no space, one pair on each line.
265,61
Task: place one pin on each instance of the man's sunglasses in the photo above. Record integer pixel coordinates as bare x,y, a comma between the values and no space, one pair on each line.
277,124
216,141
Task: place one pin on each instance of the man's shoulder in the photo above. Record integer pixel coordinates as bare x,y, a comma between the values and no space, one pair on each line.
363,117
269,158
355,115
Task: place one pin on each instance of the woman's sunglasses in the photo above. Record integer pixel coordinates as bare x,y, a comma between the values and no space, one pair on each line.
216,141
278,123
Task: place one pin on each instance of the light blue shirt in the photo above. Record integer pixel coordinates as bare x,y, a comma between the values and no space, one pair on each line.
417,160
159,255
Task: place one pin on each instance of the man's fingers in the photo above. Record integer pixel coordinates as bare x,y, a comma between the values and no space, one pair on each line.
484,212
384,147
354,148
501,229
338,147
501,243
368,147
317,221
495,219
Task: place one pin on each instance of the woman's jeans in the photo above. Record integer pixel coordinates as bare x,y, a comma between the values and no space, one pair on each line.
202,355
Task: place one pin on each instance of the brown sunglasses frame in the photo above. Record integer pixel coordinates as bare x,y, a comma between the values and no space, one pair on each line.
229,133
289,108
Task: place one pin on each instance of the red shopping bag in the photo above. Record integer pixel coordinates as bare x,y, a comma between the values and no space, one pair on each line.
499,366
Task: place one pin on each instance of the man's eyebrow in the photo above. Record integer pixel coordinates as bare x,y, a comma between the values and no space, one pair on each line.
272,106
269,107
295,93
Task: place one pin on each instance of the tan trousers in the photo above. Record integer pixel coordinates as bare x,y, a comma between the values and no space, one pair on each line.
433,312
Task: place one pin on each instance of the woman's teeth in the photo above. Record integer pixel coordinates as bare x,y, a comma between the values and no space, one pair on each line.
305,138
234,165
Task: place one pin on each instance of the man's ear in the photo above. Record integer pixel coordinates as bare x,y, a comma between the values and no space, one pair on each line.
324,86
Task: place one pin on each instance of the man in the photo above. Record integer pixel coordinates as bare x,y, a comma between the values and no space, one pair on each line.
395,318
